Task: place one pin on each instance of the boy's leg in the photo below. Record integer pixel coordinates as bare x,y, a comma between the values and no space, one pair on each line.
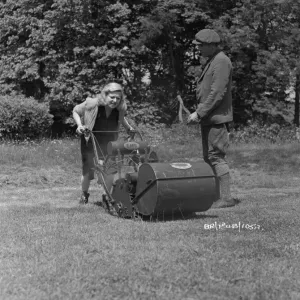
87,175
85,184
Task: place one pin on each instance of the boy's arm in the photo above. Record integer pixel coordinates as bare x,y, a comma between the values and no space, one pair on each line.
79,109
124,122
78,112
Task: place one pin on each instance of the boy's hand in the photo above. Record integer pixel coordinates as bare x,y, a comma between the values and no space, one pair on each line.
131,132
80,129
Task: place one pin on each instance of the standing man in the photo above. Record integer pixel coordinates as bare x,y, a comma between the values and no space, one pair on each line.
214,111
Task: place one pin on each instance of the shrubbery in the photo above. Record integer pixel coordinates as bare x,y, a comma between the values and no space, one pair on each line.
22,118
260,133
253,133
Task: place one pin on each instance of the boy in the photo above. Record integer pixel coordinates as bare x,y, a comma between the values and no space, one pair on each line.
103,115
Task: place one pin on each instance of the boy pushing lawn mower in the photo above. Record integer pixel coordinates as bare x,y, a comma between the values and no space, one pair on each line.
101,115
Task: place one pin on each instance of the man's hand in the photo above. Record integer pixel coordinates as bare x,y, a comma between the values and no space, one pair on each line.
131,132
130,129
193,118
80,129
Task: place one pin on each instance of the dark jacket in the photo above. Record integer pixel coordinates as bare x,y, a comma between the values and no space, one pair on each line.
214,91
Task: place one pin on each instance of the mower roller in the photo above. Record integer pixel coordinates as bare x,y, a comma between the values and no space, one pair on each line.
137,185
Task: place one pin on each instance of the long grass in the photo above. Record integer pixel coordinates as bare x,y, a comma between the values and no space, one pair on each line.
47,162
45,153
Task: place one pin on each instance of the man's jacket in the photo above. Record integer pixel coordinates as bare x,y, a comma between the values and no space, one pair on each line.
214,91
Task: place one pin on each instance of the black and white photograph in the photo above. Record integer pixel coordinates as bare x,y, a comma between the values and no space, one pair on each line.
149,149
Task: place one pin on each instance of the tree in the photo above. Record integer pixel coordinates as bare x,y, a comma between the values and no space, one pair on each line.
60,51
254,34
165,43
290,43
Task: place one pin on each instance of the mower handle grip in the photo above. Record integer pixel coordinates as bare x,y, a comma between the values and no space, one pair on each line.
131,134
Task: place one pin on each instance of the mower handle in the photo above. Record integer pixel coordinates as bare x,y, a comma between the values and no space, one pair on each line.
86,131
130,134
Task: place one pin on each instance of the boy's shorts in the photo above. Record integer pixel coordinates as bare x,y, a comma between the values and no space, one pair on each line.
87,156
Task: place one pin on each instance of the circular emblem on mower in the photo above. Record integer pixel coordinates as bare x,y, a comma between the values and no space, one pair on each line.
131,145
181,165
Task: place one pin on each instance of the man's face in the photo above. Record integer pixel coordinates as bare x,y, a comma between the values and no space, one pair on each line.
206,49
113,99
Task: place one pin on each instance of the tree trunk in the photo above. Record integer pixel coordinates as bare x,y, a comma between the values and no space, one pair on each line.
297,91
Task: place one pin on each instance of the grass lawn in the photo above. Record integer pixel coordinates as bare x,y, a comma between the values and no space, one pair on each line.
52,248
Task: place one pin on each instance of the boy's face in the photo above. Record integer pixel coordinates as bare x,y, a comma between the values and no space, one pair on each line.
113,99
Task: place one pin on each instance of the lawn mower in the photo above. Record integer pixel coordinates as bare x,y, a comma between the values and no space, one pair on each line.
137,185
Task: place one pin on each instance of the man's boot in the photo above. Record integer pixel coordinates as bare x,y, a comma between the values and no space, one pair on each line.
84,199
225,196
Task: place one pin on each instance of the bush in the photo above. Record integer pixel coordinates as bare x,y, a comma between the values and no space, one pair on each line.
23,118
144,113
256,133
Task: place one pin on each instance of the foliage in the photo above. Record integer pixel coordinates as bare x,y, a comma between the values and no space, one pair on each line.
59,52
144,113
22,118
258,133
256,35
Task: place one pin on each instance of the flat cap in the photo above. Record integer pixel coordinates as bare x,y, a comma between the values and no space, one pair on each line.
206,36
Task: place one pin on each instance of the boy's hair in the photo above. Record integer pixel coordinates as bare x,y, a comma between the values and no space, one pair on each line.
115,87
